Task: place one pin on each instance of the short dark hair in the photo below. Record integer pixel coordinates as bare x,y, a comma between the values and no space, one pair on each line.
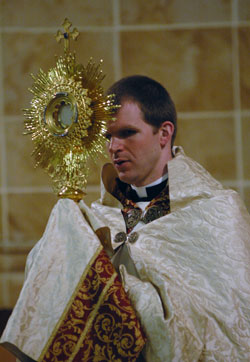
152,98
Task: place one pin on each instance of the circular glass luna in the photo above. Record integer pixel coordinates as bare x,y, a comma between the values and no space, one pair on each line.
61,114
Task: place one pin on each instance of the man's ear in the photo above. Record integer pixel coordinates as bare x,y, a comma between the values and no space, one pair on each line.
166,133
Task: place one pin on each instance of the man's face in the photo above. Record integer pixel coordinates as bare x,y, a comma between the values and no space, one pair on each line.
134,147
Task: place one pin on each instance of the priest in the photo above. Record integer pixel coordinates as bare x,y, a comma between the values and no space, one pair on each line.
156,270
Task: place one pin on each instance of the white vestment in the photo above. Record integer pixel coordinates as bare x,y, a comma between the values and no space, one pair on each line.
192,292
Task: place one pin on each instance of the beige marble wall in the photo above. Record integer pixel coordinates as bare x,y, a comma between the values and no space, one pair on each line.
198,49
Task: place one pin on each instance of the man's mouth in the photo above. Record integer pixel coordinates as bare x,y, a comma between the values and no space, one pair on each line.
119,162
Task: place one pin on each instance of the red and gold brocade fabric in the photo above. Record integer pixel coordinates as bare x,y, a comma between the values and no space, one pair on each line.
100,323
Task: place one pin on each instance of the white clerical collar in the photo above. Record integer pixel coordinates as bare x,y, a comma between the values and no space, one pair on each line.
142,192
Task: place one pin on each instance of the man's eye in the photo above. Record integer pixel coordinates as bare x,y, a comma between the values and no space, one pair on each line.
127,133
107,136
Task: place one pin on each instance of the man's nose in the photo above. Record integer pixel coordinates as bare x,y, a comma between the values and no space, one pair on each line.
115,145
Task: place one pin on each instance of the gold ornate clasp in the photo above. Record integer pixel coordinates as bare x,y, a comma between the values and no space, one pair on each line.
67,34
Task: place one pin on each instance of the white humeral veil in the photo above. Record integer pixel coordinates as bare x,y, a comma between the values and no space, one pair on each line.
53,269
193,291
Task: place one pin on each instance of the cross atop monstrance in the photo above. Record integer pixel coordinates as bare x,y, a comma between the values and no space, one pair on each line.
67,34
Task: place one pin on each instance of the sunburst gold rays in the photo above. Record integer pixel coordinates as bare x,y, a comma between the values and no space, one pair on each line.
67,121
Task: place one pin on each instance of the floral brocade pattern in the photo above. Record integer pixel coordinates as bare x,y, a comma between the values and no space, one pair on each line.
132,213
100,324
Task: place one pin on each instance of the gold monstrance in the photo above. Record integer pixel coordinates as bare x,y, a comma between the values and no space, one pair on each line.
67,118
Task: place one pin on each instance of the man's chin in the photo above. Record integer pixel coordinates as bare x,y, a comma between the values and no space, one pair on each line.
125,178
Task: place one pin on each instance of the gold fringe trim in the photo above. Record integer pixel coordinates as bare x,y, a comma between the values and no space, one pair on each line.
53,334
92,317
